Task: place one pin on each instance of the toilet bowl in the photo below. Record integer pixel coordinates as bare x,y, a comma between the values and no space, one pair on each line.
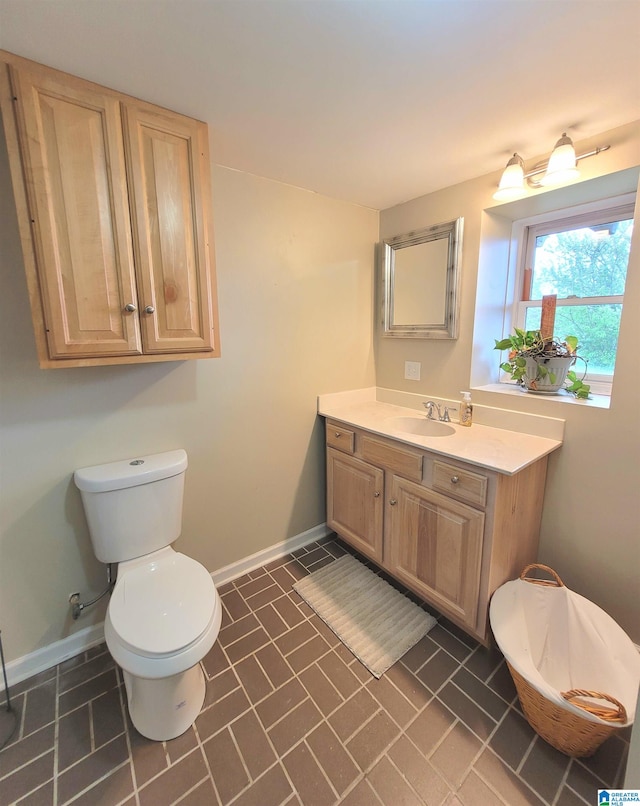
164,614
163,618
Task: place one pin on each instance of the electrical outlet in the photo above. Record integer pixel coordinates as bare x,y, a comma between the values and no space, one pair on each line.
412,370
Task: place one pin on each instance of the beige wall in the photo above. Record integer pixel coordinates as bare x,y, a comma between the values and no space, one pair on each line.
590,531
295,281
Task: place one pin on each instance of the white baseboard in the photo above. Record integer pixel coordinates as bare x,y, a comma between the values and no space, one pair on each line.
52,654
265,556
57,652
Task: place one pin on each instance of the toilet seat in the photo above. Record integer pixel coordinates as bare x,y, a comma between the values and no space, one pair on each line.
162,603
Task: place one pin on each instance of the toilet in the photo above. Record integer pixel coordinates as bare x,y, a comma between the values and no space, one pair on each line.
165,612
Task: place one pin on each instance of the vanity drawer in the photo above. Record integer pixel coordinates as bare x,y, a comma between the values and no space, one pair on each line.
341,438
463,484
405,463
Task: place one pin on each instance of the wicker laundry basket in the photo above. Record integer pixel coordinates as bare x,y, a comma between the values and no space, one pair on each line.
556,722
568,733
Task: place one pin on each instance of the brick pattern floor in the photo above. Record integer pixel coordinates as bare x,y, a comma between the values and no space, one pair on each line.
291,717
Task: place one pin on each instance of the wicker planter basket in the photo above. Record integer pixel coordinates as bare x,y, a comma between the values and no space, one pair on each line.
562,727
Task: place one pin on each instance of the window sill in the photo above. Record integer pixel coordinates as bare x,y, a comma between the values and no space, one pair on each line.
563,398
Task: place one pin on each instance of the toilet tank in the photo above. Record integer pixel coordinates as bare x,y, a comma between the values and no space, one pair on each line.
134,506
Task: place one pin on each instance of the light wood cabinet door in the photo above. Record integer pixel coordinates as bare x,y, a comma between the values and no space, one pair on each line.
435,547
74,170
167,159
355,502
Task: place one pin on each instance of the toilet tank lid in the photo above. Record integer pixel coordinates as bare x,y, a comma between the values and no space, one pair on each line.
130,472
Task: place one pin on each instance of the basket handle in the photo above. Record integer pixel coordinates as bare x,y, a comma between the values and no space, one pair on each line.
617,714
558,583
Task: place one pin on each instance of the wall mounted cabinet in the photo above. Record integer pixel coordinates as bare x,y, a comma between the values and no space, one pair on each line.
114,208
449,531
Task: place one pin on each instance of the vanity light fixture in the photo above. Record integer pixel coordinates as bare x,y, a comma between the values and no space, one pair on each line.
558,169
512,180
562,163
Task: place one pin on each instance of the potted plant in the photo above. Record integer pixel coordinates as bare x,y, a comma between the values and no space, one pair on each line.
543,366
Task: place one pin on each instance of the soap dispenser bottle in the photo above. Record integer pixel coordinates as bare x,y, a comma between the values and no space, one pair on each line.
466,409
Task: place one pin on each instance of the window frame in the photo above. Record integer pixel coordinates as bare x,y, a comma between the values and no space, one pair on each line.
525,233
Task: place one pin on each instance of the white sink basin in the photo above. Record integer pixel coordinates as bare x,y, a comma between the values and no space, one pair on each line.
420,426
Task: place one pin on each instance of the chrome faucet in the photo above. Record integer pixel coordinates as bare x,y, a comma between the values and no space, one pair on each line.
443,414
430,406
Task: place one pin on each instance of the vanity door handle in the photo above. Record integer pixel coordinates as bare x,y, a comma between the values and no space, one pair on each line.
393,502
149,309
376,494
455,479
338,435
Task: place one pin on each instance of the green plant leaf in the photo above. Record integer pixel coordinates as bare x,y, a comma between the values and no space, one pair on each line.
578,388
572,343
503,344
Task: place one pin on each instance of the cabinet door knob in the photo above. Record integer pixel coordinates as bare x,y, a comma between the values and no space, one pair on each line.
393,502
130,307
455,479
149,309
376,494
338,434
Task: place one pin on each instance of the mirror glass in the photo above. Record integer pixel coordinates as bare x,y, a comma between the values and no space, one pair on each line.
421,282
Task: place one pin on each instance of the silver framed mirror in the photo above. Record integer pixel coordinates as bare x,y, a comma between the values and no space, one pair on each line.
421,282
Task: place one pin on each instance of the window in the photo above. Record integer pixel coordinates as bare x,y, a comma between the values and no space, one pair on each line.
582,259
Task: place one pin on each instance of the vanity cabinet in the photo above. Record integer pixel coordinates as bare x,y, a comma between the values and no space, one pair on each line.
450,532
114,209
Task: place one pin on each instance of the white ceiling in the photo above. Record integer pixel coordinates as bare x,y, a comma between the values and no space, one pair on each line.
372,101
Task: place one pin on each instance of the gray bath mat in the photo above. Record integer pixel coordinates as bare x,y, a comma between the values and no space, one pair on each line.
368,615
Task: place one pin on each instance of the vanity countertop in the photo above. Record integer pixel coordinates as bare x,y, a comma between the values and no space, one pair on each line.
482,445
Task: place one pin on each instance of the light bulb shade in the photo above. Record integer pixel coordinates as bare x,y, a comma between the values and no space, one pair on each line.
512,180
562,163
